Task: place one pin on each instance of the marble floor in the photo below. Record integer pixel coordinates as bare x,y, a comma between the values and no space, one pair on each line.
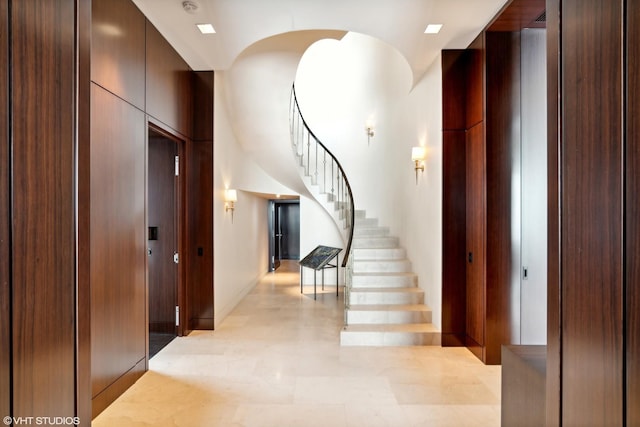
276,361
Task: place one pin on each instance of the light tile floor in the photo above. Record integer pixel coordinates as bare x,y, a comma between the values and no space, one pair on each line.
276,360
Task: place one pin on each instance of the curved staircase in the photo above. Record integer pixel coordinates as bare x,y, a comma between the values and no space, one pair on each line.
383,304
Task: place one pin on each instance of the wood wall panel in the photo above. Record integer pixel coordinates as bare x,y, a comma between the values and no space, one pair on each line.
454,106
632,228
454,89
592,239
553,383
83,297
454,254
502,192
118,238
475,82
200,220
168,84
202,90
118,49
200,205
5,222
475,236
43,209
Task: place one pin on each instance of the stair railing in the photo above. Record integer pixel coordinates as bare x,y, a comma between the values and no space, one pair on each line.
325,171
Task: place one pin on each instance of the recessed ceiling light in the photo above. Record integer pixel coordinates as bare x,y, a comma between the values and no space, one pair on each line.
206,28
433,29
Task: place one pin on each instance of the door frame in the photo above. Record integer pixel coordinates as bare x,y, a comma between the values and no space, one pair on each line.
180,202
271,226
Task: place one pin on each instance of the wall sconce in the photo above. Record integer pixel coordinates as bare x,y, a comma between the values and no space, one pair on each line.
230,199
369,129
418,154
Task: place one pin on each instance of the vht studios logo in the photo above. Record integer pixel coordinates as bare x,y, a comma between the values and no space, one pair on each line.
42,421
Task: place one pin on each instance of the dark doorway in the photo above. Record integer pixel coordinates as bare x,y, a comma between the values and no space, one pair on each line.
162,248
284,231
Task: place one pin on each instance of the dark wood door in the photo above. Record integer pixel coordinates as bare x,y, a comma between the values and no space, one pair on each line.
475,237
288,231
162,234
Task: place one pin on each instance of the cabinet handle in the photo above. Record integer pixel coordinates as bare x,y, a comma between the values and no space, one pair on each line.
470,257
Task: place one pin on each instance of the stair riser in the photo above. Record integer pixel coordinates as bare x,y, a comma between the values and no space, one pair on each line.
382,254
383,281
367,222
402,266
348,338
375,242
370,232
372,317
367,298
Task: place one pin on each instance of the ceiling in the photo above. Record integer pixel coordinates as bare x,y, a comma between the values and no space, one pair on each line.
241,23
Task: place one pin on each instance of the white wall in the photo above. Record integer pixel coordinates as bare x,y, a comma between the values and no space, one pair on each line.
343,84
241,249
318,228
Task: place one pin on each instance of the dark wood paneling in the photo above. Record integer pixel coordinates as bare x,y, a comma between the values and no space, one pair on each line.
200,235
502,192
632,228
118,238
168,84
454,238
118,49
104,399
202,106
475,237
83,309
43,207
553,217
592,239
161,197
5,222
519,14
475,82
523,385
454,89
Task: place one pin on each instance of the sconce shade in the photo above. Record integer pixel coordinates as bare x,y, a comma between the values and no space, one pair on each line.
231,196
418,153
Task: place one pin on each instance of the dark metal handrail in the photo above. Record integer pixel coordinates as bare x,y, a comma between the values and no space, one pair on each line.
344,188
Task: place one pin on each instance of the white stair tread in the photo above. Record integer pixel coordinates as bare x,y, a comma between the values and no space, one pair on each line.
409,327
389,307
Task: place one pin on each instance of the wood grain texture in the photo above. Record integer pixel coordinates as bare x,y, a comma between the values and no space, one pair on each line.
43,139
502,191
118,49
454,106
168,84
632,229
476,208
523,386
83,289
476,82
200,235
519,14
118,238
202,90
5,217
454,256
454,89
554,337
592,235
